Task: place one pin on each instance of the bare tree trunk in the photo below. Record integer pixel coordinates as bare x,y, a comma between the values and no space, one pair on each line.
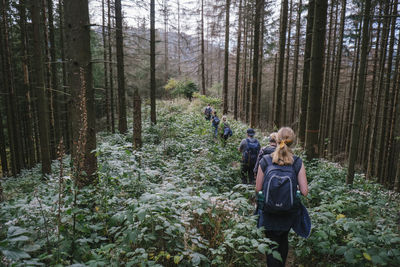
296,62
137,120
374,147
203,83
105,65
27,86
226,58
332,136
282,40
383,157
316,79
152,64
40,89
179,38
122,123
287,59
236,104
80,81
110,68
256,47
166,68
357,117
306,72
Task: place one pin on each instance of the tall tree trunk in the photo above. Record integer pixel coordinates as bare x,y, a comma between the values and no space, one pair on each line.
137,120
226,58
42,102
316,79
374,147
332,136
54,73
67,126
296,62
152,63
27,86
274,88
122,123
179,37
260,67
80,81
287,59
105,65
282,40
236,104
166,68
383,157
203,83
3,153
357,117
110,67
244,69
49,82
253,117
330,88
306,72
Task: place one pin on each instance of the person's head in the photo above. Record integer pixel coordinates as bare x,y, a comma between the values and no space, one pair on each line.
224,118
272,138
208,104
283,155
250,132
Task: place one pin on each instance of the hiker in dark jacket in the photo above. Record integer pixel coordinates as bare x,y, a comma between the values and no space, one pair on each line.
207,112
278,225
266,151
226,130
249,147
215,123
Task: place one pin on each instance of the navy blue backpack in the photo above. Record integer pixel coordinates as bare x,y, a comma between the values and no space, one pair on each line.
279,187
215,121
251,152
228,131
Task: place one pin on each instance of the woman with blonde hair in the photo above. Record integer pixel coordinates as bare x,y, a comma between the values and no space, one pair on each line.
284,174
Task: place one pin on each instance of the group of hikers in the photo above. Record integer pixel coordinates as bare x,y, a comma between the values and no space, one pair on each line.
279,177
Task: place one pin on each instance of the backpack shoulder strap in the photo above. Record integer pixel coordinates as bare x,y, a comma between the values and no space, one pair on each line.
265,162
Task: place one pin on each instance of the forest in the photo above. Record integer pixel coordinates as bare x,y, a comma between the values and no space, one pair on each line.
106,158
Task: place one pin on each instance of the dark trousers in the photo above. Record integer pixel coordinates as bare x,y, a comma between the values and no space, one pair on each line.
280,237
247,173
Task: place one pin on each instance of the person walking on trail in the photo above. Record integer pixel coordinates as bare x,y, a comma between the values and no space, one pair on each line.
249,147
270,148
207,112
226,130
215,123
279,177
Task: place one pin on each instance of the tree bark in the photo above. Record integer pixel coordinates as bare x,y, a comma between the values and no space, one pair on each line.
105,66
253,117
296,62
80,82
122,123
306,72
357,117
226,58
287,59
282,41
203,83
110,67
152,64
42,102
316,79
238,46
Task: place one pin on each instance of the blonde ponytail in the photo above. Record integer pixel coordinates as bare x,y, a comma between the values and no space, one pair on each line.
283,155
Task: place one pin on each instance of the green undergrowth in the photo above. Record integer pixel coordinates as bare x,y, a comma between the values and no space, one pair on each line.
352,225
179,202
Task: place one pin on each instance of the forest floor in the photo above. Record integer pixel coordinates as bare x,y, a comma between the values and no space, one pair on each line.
179,202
